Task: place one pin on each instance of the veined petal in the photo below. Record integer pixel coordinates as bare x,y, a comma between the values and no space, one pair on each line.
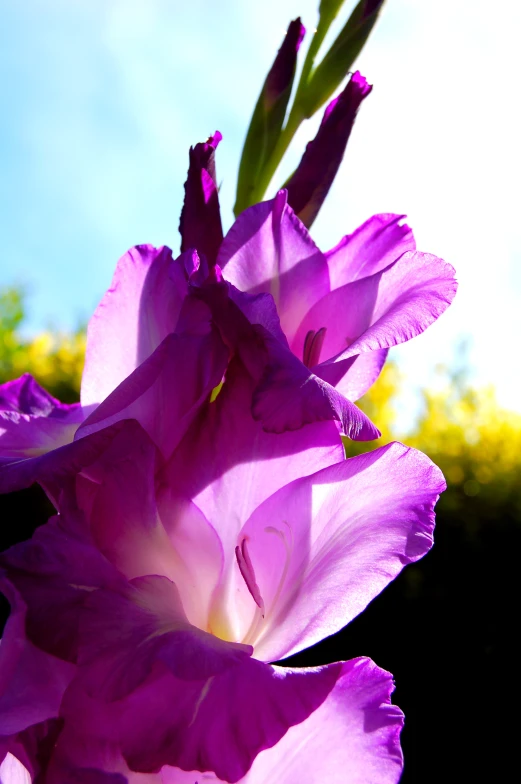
324,546
382,310
138,311
369,249
268,250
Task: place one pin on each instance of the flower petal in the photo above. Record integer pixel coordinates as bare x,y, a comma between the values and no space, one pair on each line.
353,736
354,376
53,572
126,632
382,310
290,396
32,422
32,682
141,658
165,391
52,469
324,546
13,772
138,311
268,250
143,533
227,465
371,248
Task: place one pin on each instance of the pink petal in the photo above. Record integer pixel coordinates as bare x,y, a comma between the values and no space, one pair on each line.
138,311
380,311
268,250
141,657
371,248
324,546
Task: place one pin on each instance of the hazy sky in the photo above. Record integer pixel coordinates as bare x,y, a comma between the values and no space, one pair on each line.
102,98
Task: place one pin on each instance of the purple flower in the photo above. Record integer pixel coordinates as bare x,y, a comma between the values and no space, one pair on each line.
169,587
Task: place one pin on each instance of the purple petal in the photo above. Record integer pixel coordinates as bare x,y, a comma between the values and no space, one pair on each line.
240,712
138,311
52,469
141,657
54,572
290,396
310,183
354,376
139,536
371,248
382,310
200,225
324,546
125,633
227,465
32,683
33,422
353,736
268,250
154,394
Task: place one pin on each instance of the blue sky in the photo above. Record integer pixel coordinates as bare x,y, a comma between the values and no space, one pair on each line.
102,98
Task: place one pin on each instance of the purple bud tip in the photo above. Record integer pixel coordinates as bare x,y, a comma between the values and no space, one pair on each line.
281,73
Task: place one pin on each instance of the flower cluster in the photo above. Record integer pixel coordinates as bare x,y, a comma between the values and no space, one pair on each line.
208,523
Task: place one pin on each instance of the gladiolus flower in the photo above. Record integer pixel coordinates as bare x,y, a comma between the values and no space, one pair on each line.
170,587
